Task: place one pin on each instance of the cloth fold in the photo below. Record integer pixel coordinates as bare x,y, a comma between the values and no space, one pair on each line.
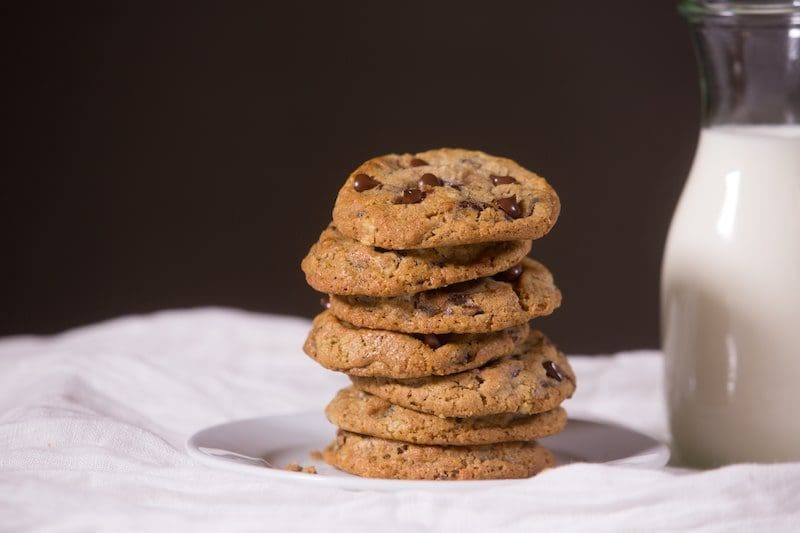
93,424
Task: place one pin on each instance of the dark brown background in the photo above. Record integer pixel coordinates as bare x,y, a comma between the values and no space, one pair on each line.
173,154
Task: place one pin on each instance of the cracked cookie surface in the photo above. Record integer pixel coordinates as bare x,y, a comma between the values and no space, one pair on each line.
360,412
381,458
481,305
535,379
341,347
444,197
337,264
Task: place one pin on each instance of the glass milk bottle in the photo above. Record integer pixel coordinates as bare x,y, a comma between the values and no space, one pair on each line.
730,288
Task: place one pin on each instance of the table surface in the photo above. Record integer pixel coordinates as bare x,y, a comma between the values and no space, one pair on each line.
93,421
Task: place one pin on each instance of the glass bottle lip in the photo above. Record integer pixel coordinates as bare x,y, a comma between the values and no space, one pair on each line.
696,9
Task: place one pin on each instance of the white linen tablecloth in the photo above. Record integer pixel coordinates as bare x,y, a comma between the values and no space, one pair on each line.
93,424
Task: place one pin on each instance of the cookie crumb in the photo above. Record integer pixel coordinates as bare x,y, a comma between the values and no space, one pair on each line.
294,467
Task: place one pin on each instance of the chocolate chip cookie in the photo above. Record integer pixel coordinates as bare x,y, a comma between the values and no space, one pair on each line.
535,379
381,458
340,346
444,197
487,304
360,412
337,264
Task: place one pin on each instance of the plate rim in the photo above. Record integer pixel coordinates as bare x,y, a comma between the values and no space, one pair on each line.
656,457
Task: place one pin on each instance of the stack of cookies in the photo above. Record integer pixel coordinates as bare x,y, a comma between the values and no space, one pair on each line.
430,291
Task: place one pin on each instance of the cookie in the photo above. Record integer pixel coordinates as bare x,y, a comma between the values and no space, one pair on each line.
339,346
444,197
381,458
337,264
536,379
360,412
483,305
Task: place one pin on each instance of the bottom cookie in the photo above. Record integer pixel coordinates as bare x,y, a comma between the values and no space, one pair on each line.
381,458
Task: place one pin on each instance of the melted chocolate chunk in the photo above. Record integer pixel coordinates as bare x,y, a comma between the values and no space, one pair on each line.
431,340
430,181
325,302
502,180
510,206
553,371
362,182
511,275
417,162
412,196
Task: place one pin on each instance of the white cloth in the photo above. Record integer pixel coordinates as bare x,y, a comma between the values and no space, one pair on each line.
93,421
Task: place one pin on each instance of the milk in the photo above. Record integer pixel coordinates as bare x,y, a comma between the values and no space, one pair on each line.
730,300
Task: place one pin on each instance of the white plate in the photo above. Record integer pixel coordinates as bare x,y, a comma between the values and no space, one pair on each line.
266,445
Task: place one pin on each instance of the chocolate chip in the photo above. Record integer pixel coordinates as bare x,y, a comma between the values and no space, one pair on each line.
325,302
553,371
510,206
510,275
429,180
502,180
417,162
412,196
515,372
431,340
362,182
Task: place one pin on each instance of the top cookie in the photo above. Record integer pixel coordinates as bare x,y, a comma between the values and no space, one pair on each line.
443,197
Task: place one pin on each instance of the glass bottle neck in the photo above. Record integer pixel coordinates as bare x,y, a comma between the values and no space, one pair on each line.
749,59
